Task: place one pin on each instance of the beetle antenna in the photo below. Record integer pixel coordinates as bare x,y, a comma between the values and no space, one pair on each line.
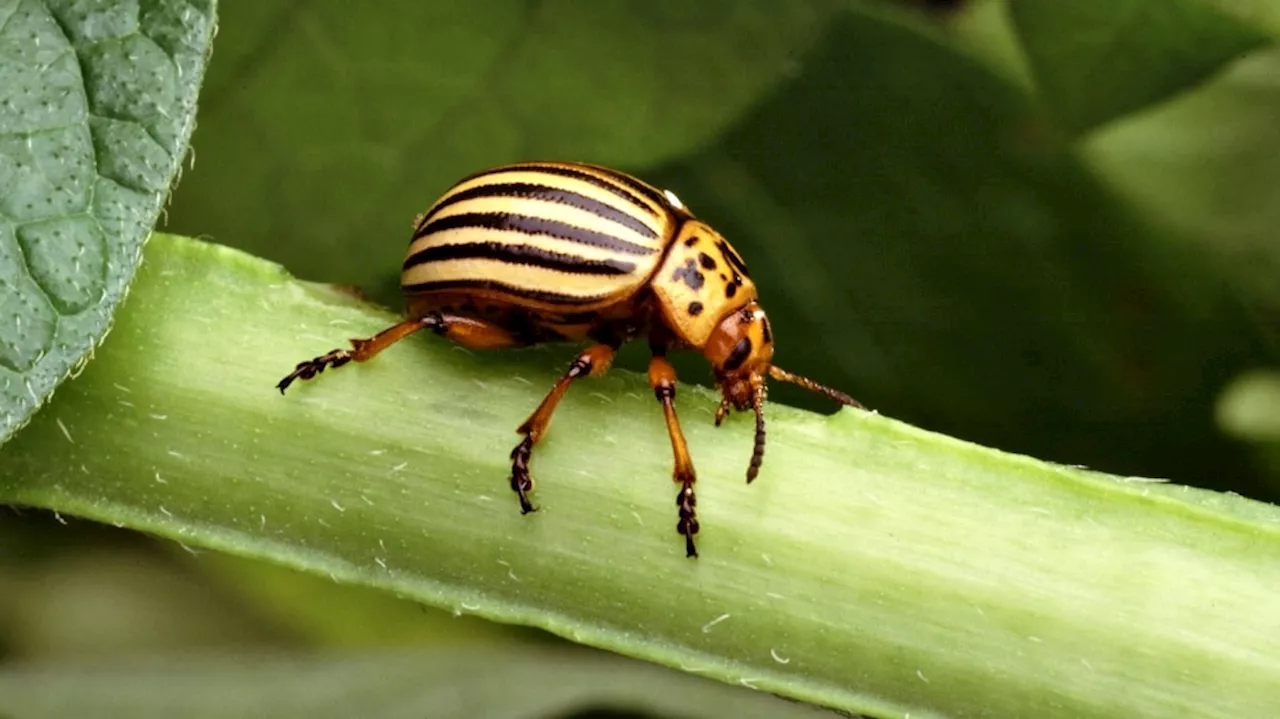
780,374
757,454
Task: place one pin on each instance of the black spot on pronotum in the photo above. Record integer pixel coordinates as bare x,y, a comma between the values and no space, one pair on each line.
705,260
695,308
691,241
730,290
689,274
740,353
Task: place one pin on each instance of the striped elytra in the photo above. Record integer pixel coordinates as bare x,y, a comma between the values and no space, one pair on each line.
561,251
561,237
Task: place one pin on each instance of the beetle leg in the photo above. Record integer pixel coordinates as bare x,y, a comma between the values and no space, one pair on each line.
361,350
662,377
723,410
473,333
476,334
593,361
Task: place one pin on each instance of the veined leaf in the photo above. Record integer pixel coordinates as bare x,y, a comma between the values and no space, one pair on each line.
97,101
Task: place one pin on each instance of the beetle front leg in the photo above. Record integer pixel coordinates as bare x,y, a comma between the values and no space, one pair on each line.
593,361
662,377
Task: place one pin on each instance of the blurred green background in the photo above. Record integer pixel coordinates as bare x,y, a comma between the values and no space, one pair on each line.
928,230
1044,227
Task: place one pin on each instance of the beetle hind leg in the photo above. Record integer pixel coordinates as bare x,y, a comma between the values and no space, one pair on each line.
662,377
362,349
466,331
593,361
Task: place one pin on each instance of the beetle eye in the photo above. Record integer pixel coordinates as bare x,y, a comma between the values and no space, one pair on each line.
740,353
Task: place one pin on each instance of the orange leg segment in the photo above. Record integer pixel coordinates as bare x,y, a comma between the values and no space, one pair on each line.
662,377
593,361
468,332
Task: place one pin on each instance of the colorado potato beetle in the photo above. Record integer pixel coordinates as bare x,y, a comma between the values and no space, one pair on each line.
560,251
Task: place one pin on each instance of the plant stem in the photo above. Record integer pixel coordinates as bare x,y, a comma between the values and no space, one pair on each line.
872,567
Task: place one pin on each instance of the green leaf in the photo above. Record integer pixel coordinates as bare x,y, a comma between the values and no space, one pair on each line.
933,248
85,590
1096,60
873,567
514,684
97,102
1250,407
1249,410
403,99
1206,166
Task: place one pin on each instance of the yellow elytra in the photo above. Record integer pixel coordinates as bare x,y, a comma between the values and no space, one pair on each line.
561,251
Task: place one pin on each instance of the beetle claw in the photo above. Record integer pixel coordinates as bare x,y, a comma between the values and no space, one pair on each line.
521,480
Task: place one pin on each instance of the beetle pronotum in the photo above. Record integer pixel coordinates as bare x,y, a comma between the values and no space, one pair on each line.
559,251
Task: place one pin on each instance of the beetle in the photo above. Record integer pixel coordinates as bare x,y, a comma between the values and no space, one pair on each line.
538,252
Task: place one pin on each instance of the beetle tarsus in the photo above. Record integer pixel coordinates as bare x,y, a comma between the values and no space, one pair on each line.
688,524
311,368
521,480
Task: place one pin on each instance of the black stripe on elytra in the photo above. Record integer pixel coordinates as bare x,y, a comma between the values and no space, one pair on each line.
520,254
545,193
576,174
551,298
534,226
635,184
740,353
733,257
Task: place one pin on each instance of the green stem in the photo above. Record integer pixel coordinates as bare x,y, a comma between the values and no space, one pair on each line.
873,567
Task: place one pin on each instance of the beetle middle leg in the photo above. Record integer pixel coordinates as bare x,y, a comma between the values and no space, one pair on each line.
473,333
593,361
662,377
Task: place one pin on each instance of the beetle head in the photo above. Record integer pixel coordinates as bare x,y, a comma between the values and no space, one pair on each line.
740,350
